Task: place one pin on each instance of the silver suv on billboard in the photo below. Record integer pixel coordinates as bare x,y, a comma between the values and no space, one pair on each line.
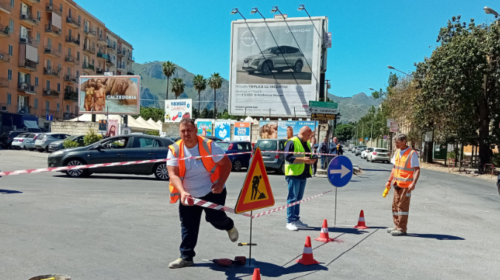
275,58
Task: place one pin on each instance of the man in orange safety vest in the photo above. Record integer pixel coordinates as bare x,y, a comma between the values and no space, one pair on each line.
202,177
404,177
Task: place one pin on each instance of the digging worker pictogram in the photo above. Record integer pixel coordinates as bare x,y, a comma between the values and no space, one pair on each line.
202,178
404,175
255,188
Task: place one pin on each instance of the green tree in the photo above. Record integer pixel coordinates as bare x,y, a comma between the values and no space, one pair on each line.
204,113
215,82
70,144
344,132
168,70
91,137
199,84
154,113
177,86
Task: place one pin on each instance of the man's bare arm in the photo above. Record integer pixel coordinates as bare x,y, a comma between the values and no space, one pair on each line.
225,167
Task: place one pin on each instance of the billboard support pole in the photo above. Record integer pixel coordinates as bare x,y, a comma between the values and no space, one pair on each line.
294,114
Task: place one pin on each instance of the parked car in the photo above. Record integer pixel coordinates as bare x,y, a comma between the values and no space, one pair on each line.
359,149
353,149
58,145
6,138
213,138
29,142
366,151
43,141
498,184
238,161
379,154
18,141
116,149
272,161
275,58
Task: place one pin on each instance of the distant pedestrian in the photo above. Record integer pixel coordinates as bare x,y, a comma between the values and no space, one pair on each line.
404,176
314,149
297,170
324,149
336,147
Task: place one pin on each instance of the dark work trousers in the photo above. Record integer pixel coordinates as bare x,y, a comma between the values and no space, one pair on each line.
190,217
315,167
401,208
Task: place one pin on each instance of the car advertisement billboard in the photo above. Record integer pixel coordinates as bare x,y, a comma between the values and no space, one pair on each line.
223,130
275,66
283,129
119,95
241,131
204,128
178,109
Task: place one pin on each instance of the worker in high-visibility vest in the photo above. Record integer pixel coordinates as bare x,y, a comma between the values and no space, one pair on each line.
202,178
404,176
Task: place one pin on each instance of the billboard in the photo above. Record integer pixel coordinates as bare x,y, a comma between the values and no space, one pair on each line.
275,66
223,130
178,109
204,128
241,131
112,128
118,95
283,129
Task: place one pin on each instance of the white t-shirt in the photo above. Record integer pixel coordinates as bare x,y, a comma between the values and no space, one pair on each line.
197,180
414,158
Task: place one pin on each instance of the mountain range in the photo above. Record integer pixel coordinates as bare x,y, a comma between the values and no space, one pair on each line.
153,92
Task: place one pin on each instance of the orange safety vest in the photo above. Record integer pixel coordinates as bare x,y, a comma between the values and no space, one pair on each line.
403,170
205,149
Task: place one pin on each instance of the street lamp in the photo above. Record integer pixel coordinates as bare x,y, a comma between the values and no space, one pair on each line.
490,11
254,11
275,9
301,7
236,11
390,67
371,89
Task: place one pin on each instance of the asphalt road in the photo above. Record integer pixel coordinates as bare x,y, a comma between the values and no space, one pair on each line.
122,227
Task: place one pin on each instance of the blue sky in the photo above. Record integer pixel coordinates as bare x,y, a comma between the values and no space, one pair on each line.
367,35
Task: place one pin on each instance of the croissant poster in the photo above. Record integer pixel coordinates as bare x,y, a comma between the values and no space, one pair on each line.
109,94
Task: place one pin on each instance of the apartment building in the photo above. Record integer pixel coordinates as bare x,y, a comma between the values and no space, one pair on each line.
45,46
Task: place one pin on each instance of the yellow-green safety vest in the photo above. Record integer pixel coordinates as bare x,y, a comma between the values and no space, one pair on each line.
296,169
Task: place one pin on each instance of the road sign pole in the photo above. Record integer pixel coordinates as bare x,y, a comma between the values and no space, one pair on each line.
250,246
335,212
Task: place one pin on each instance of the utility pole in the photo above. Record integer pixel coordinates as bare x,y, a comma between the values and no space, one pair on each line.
327,82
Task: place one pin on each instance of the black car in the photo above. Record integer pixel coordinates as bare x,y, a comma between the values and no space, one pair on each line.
117,149
272,160
238,161
6,138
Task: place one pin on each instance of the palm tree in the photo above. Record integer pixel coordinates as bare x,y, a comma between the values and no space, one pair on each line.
215,82
168,70
177,86
199,84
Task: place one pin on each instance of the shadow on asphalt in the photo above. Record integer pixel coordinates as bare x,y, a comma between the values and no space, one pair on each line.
111,177
9,192
382,170
337,229
436,236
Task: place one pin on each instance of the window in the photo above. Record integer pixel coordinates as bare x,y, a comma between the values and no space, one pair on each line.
79,19
11,26
67,108
38,15
244,147
58,107
119,143
69,71
36,102
61,7
49,44
12,3
140,142
60,48
69,33
9,99
77,74
36,81
48,85
47,106
38,37
58,89
266,145
11,50
77,55
59,67
9,74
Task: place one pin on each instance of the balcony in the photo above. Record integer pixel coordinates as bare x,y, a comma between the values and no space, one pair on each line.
29,65
88,49
130,72
109,62
70,94
4,57
51,93
131,58
4,31
54,72
71,59
88,67
71,79
68,116
29,19
34,1
102,55
73,22
29,40
99,71
52,30
91,33
51,9
4,82
51,52
120,53
25,110
5,6
73,40
26,88
110,47
102,38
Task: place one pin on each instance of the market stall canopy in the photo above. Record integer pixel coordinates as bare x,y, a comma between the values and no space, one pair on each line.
88,118
153,123
146,125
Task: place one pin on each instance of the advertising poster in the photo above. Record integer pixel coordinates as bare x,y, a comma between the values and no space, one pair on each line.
112,128
275,68
178,109
288,129
223,130
242,131
113,94
204,128
268,129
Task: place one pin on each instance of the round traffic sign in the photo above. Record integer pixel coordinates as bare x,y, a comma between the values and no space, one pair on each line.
340,171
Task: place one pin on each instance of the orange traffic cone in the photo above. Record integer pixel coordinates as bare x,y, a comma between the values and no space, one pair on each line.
361,221
307,255
323,236
256,274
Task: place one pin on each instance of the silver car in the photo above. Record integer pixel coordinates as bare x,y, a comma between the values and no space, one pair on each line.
29,142
379,154
275,58
59,145
18,141
43,141
359,149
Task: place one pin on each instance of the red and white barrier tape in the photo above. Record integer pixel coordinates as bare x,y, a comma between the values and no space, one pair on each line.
211,205
89,166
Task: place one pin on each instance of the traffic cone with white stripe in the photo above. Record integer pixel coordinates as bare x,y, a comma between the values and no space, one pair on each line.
307,255
323,236
361,221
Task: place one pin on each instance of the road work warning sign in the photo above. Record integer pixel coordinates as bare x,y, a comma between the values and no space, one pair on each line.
256,192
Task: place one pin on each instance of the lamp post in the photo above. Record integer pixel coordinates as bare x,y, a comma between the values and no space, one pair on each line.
236,11
490,11
390,67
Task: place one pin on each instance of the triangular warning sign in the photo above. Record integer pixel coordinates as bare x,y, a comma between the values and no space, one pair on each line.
256,192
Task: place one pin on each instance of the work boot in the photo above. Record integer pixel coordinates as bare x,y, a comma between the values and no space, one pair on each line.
389,230
179,263
233,234
398,233
292,226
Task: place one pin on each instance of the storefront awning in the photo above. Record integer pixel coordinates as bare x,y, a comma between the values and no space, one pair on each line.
31,124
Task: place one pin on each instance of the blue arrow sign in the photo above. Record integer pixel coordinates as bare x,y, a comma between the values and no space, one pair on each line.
340,171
